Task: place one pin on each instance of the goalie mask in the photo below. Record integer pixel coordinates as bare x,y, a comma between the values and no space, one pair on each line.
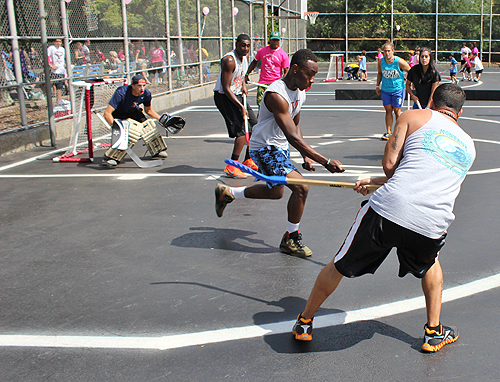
173,125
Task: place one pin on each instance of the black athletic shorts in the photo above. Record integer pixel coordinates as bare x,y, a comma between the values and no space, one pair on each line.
372,237
58,84
137,115
232,115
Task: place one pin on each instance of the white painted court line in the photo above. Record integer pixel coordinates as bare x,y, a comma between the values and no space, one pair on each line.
245,332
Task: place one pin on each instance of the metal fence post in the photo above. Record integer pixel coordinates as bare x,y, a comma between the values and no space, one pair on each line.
48,87
169,47
69,70
200,53
17,62
125,41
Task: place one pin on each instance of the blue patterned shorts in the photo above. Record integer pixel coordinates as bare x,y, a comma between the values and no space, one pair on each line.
273,161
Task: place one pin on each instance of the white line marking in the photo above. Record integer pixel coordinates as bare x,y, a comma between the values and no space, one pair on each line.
245,332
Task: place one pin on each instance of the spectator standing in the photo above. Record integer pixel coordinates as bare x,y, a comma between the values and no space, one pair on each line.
114,62
121,55
86,51
391,85
57,55
474,49
425,79
453,69
79,55
274,65
380,55
466,65
478,66
157,55
465,49
362,66
413,59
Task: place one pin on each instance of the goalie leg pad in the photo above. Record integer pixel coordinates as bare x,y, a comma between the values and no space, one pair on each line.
134,132
119,134
152,138
115,154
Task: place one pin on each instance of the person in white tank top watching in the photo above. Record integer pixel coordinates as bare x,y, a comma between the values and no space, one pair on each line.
228,97
278,127
425,163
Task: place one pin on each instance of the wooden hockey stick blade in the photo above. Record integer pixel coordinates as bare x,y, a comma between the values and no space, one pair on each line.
256,83
285,180
142,164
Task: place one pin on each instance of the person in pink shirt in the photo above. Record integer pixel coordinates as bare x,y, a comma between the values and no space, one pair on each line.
156,54
275,64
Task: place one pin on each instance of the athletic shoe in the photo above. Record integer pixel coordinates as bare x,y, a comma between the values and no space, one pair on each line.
250,163
302,330
222,198
385,136
475,80
109,162
162,154
434,341
292,244
233,172
63,102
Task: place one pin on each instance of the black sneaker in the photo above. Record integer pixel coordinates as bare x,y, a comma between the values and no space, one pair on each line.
385,136
434,340
292,244
302,330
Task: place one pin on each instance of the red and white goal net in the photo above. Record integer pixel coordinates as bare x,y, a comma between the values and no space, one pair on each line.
89,130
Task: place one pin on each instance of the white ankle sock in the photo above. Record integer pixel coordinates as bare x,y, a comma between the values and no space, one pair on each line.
238,192
292,227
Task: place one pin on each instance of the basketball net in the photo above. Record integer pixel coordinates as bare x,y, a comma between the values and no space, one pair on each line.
312,17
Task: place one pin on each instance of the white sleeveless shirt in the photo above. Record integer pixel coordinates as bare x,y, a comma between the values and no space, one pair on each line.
420,196
238,74
267,132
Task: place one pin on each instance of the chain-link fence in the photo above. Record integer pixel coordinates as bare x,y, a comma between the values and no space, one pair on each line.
176,44
352,26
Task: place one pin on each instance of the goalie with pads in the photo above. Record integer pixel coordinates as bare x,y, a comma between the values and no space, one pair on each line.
129,124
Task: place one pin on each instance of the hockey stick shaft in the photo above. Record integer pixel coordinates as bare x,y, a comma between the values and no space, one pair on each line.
247,134
284,180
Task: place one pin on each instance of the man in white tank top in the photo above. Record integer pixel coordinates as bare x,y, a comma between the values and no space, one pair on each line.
278,127
425,162
228,97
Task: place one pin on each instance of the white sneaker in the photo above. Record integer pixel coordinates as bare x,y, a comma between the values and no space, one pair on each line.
63,102
162,154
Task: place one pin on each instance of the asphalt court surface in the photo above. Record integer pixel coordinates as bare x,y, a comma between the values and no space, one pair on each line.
127,274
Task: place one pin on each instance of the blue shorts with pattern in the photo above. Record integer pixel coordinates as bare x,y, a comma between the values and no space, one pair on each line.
273,161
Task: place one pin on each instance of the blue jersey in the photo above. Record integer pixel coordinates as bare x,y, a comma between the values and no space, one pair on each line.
453,65
124,102
362,63
392,76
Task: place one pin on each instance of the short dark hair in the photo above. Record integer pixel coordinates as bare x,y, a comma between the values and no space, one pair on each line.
449,95
242,37
301,57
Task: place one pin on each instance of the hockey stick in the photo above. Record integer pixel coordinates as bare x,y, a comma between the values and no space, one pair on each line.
256,83
284,180
247,135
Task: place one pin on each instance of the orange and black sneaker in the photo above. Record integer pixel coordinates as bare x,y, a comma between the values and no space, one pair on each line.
234,172
302,330
436,338
250,163
223,197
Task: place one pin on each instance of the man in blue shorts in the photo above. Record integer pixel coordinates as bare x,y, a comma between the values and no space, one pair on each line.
390,74
278,126
125,103
411,211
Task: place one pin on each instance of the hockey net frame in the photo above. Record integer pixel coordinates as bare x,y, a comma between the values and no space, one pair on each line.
336,69
89,129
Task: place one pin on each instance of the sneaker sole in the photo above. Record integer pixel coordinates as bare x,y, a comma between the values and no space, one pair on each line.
302,337
228,175
302,256
432,349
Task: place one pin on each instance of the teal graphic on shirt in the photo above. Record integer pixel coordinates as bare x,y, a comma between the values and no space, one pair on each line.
448,150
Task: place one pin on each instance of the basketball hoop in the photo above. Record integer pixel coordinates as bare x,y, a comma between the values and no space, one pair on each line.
312,16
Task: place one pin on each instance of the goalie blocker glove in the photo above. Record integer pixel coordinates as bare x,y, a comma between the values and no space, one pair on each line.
172,124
